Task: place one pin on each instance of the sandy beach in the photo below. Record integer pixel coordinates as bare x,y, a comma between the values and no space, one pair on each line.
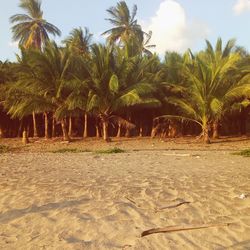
105,201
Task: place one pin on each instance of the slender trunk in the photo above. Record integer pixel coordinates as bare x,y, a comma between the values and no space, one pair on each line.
105,131
119,131
70,126
97,130
53,127
85,130
141,130
34,125
243,119
1,132
64,130
128,134
19,133
215,130
46,125
206,135
25,139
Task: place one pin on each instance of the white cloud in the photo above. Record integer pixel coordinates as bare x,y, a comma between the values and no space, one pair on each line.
172,30
241,6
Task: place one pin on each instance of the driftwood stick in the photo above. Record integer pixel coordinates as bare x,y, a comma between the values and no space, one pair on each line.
173,206
171,229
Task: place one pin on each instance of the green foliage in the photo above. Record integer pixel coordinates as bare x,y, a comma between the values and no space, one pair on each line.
114,150
244,153
70,150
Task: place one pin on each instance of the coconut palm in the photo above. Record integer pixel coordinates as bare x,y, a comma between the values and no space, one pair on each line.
214,81
110,90
79,42
31,30
125,24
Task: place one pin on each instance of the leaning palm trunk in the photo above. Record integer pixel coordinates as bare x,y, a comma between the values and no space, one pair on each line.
85,130
64,130
46,125
34,125
215,130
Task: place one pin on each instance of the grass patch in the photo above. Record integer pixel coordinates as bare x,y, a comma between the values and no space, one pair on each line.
70,150
110,151
4,149
245,153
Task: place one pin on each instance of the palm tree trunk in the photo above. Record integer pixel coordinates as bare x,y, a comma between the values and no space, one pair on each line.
34,125
53,127
119,131
215,130
141,130
105,131
97,130
85,130
1,132
46,125
25,139
206,135
64,130
70,126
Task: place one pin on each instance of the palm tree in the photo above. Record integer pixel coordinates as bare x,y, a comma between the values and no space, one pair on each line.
79,42
126,30
110,90
214,80
31,30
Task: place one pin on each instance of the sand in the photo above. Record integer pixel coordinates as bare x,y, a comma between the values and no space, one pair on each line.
96,201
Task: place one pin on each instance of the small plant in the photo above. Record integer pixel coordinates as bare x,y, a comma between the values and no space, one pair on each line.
70,150
111,151
4,149
245,153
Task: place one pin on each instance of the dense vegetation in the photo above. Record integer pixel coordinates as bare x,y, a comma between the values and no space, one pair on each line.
119,88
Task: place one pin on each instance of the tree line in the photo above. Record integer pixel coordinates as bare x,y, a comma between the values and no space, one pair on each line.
119,88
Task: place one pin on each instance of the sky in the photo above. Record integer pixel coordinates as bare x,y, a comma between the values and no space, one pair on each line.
176,24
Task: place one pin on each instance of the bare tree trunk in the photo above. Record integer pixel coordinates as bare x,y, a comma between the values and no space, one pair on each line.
64,130
1,132
85,130
19,133
105,131
119,130
70,126
53,127
206,135
141,130
46,125
215,130
97,130
25,139
34,125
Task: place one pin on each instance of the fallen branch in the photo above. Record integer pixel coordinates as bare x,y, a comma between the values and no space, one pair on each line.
171,229
173,206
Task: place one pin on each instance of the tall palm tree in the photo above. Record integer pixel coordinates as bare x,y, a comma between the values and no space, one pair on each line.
79,42
125,24
31,30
